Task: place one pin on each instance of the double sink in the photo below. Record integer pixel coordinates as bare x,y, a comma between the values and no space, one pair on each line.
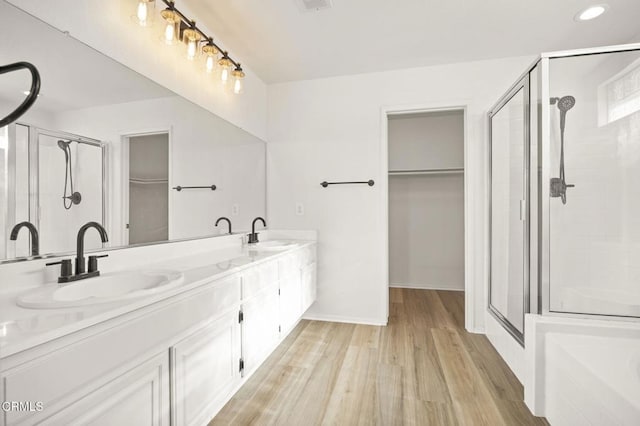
118,286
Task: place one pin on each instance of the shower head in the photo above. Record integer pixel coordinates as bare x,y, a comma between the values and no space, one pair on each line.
64,145
565,103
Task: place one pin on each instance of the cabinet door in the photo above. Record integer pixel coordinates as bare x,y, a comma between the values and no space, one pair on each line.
139,397
205,370
309,287
260,328
290,299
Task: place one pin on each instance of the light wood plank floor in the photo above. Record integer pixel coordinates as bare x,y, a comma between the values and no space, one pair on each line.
422,369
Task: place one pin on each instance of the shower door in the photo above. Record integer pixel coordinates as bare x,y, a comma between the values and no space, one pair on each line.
509,217
83,164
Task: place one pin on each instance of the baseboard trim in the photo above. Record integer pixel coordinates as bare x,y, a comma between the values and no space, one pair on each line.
424,287
346,320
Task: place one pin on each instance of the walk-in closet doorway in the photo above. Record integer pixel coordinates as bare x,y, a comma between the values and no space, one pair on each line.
425,196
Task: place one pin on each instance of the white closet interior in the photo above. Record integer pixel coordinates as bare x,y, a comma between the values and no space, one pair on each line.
426,200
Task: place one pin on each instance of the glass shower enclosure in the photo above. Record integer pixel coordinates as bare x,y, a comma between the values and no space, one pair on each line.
565,199
55,180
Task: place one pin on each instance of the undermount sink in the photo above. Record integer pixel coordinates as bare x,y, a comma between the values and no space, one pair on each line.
275,245
106,288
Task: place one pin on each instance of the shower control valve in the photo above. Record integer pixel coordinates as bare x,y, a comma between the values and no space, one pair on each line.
558,188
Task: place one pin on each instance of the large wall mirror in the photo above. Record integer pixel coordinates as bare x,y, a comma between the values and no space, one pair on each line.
103,143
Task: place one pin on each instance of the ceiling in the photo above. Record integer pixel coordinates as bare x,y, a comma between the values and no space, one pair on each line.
281,43
74,76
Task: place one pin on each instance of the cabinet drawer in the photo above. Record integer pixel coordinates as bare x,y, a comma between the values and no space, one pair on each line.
308,255
289,264
225,293
258,278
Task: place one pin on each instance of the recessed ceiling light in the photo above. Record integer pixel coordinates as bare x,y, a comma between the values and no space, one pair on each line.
592,12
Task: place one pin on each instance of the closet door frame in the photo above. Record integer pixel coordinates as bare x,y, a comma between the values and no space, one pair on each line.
524,85
473,285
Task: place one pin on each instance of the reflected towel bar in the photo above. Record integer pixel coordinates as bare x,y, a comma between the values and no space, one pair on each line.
180,188
369,182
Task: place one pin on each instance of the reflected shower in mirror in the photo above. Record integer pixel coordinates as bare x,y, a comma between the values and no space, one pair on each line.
103,143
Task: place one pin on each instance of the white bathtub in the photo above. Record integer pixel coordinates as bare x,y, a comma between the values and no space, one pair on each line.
583,372
601,301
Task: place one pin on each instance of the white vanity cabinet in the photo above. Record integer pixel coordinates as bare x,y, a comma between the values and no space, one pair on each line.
176,361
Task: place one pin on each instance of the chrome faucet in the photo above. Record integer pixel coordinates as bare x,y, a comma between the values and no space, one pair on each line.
253,236
80,272
35,239
220,219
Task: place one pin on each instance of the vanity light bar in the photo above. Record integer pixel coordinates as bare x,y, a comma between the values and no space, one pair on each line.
180,26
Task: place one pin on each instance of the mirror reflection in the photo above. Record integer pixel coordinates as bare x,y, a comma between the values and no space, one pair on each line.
105,144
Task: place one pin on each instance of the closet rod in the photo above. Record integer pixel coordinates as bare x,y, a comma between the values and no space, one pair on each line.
426,171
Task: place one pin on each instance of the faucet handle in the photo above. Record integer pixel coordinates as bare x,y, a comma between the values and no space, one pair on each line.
66,270
93,262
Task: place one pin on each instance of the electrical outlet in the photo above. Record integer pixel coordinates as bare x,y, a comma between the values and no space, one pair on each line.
299,209
235,210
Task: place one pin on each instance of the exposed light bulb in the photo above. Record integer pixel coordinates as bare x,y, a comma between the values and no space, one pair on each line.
143,12
191,50
171,18
225,68
191,37
237,86
170,33
211,64
211,52
238,75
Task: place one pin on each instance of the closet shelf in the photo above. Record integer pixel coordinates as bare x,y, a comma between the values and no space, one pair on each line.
148,181
426,172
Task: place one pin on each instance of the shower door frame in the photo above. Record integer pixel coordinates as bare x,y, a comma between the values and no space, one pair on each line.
34,170
544,279
523,83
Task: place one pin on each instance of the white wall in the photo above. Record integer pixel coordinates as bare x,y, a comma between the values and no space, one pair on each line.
330,129
426,231
426,141
107,26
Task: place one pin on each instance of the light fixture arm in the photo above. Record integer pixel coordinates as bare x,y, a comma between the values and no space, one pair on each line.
184,20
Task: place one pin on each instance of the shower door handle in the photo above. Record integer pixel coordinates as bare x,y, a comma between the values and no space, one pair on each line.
523,210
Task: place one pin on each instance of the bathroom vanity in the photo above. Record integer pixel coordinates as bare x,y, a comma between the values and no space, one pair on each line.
173,356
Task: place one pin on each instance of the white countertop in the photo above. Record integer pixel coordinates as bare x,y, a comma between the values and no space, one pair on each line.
23,328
